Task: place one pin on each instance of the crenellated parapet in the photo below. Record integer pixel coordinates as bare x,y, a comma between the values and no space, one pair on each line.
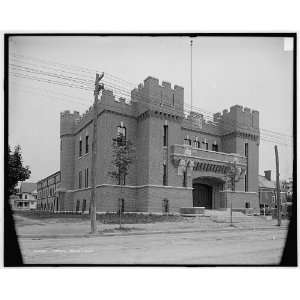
151,94
121,105
196,121
238,119
68,122
71,123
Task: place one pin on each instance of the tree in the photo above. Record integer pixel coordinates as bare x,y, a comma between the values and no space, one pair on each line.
16,171
233,174
123,154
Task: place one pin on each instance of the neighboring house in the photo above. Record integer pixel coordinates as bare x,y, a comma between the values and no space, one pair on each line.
26,198
267,191
181,157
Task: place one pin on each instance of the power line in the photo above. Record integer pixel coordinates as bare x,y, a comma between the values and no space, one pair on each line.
81,84
127,93
80,87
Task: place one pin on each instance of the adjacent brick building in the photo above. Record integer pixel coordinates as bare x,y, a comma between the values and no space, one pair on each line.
180,160
46,191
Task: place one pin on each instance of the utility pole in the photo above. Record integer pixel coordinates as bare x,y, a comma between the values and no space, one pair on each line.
98,87
278,187
191,75
233,189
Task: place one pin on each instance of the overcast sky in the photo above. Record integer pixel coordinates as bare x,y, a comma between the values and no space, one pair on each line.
250,71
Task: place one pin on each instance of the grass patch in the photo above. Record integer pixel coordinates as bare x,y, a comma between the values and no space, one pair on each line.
107,218
137,218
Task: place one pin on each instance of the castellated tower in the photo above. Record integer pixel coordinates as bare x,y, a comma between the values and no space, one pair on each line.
67,150
240,134
159,110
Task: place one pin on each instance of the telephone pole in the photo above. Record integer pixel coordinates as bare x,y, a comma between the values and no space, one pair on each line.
98,87
191,75
278,187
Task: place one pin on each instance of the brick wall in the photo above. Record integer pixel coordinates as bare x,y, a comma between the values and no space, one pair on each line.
239,199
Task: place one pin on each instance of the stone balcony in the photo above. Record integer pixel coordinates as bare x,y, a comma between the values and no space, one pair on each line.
195,159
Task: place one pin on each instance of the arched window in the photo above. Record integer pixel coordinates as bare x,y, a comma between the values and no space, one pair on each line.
196,143
122,132
187,140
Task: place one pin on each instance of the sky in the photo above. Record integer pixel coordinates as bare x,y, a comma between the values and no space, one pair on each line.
256,72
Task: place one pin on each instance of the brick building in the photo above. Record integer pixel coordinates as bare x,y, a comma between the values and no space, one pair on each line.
46,192
181,158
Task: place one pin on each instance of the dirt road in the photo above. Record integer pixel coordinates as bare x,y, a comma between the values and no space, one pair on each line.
260,246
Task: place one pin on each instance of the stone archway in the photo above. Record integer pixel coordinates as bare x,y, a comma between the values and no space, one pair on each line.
207,192
202,195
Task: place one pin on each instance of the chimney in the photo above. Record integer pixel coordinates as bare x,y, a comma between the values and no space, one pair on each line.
268,175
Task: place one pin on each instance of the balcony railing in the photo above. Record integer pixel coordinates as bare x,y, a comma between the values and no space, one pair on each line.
196,154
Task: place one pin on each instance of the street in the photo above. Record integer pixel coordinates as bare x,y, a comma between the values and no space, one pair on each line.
261,246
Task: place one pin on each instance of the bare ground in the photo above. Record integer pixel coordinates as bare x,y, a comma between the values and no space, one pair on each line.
203,240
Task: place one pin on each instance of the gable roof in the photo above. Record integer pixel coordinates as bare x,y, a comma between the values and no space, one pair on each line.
27,187
263,182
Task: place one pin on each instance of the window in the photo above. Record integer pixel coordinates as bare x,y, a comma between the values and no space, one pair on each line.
246,183
121,137
165,206
205,145
83,205
173,100
86,144
122,179
165,181
80,179
121,208
25,196
80,148
196,143
165,135
246,149
77,205
87,177
215,147
187,140
184,183
122,132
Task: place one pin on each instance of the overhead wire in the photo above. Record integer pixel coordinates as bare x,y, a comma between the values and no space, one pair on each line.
127,93
81,83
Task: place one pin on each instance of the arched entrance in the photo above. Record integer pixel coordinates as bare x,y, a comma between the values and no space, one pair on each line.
207,192
202,195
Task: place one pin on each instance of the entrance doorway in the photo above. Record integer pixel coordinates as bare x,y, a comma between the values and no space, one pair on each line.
202,195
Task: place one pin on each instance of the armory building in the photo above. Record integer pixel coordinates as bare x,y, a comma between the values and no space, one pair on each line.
181,159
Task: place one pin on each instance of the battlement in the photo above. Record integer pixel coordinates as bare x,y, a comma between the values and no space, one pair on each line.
71,122
70,116
238,116
196,121
68,121
151,92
